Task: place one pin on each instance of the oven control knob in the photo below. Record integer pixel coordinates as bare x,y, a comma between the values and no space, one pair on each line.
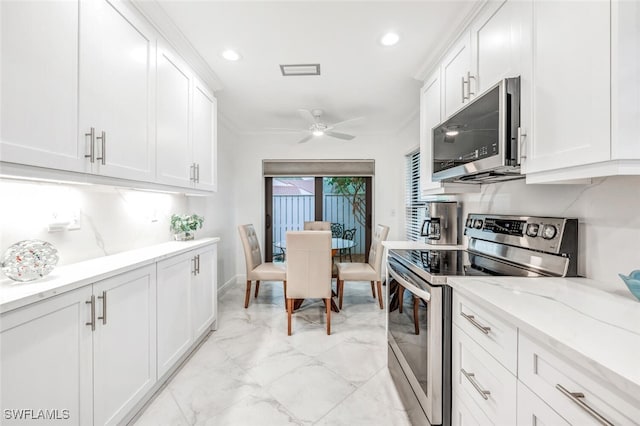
549,231
477,224
469,223
532,229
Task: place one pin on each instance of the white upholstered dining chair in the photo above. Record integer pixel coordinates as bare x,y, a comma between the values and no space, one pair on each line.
369,271
308,270
317,226
257,270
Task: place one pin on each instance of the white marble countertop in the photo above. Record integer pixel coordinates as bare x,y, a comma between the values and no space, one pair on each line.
594,324
65,278
420,245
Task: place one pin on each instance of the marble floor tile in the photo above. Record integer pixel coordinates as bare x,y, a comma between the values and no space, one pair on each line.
249,372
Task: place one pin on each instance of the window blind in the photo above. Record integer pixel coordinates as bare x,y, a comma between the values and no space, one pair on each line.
414,206
292,168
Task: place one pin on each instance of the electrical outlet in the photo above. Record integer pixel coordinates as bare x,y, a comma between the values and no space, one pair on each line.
74,221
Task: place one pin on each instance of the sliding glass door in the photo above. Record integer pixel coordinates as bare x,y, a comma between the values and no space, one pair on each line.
346,202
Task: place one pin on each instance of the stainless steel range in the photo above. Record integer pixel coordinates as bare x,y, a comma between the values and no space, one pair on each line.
419,306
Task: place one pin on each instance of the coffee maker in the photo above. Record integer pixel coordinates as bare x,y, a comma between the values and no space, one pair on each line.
443,223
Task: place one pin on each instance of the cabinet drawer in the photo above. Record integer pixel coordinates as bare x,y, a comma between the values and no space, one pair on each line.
553,379
494,334
479,379
532,411
467,415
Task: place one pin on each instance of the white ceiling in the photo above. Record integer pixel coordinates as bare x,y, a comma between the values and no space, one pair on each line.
359,77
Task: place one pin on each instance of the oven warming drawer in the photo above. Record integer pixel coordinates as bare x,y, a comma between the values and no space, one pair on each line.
407,395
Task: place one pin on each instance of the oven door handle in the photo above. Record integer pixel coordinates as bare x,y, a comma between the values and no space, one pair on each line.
408,285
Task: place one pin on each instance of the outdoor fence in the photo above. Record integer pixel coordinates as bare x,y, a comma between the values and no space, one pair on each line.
291,211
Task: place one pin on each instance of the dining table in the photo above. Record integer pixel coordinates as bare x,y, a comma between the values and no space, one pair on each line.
336,244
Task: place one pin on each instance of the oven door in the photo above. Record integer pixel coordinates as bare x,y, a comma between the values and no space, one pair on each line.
416,338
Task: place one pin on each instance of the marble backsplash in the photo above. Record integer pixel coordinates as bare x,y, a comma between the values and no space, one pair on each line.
111,220
607,210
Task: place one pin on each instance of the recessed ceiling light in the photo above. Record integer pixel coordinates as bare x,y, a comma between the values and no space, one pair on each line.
389,39
230,55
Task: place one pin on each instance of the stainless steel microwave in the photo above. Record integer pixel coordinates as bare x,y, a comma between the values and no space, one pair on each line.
479,143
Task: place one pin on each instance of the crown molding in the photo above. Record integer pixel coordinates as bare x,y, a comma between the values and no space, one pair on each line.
158,17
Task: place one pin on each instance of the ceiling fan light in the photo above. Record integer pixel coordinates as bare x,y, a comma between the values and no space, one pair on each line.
318,132
230,55
389,39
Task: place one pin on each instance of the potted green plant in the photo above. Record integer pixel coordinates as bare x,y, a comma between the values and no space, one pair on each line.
183,226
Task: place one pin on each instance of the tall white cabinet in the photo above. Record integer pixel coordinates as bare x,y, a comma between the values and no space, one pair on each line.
39,91
117,54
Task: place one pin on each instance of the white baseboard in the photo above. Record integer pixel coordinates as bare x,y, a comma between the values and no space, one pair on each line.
231,282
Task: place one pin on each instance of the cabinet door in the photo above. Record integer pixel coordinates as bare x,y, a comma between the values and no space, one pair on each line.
453,74
571,85
429,118
205,137
204,291
465,412
124,343
497,38
173,309
173,137
47,358
39,84
117,63
532,411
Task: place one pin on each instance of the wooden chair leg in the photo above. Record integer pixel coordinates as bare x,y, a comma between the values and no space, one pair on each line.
328,303
373,291
340,293
400,297
350,259
247,294
289,304
285,294
416,306
380,294
257,288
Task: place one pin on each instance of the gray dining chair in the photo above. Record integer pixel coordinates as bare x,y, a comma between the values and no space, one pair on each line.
308,270
317,226
369,271
257,270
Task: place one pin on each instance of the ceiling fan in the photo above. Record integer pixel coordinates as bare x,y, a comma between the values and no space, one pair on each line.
317,127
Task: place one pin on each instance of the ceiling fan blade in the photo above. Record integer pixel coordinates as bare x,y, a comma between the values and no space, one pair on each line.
283,129
339,135
305,139
350,121
306,114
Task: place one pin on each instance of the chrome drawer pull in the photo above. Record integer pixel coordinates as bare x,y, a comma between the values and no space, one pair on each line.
471,378
577,398
476,324
104,307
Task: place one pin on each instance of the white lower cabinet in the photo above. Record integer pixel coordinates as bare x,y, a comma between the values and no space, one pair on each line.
186,303
124,343
47,359
545,388
93,355
478,380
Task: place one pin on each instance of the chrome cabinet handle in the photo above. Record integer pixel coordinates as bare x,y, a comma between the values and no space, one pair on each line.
103,139
577,397
521,137
92,140
464,97
469,77
198,264
92,302
197,173
104,307
194,270
192,172
471,377
476,324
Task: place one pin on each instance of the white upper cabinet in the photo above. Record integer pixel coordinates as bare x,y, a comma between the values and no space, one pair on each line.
429,118
205,109
571,85
117,65
39,84
456,76
498,36
175,166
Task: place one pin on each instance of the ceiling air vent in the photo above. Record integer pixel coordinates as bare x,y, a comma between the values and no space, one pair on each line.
300,69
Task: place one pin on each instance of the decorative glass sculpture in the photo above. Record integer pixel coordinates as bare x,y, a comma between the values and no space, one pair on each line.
29,260
633,282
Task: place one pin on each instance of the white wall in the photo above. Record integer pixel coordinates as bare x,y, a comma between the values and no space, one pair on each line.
387,150
609,222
